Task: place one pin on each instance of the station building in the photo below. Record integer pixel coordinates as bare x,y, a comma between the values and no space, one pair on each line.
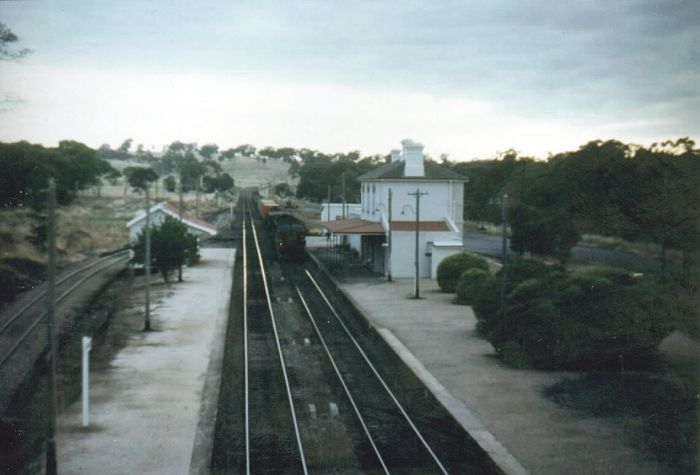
382,227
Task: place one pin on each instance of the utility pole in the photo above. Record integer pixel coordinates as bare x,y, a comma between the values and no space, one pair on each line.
147,261
343,213
329,203
181,201
390,249
51,464
504,250
417,194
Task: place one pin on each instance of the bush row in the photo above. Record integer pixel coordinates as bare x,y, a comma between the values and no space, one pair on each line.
554,319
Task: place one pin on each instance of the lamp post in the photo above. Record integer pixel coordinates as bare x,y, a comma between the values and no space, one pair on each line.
417,194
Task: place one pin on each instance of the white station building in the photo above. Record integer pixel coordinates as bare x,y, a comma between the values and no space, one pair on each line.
383,229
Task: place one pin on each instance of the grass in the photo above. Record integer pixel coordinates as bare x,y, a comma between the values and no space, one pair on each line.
657,410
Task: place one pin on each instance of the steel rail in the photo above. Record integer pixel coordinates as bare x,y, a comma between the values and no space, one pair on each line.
38,320
342,382
279,348
379,377
41,294
245,349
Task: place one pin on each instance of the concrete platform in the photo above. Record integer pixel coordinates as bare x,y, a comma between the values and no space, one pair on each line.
153,411
502,408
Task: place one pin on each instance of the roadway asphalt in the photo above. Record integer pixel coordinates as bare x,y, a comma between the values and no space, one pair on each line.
490,245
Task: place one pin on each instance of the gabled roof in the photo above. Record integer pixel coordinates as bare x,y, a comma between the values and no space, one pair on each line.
396,171
174,212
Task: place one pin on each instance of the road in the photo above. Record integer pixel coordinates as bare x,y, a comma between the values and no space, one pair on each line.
490,245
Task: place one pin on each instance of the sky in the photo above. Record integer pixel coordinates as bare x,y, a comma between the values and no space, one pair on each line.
466,78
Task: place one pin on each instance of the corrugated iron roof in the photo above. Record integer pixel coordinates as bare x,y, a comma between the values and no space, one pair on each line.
173,211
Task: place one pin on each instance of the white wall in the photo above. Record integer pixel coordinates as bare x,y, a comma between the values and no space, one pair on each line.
444,199
403,250
439,253
352,210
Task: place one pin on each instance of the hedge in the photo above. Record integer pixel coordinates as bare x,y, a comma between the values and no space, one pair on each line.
581,319
452,267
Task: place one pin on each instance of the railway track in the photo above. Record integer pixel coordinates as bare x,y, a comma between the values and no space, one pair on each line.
396,441
20,324
272,440
301,393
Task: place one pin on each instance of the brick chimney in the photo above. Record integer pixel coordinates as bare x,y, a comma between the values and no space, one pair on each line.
395,155
413,156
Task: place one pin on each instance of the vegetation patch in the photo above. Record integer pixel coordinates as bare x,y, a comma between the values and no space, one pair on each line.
656,411
589,318
452,267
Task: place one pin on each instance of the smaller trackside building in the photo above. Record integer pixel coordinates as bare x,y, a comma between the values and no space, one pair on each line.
159,212
384,229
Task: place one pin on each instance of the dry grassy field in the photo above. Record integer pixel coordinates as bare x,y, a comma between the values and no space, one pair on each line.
93,224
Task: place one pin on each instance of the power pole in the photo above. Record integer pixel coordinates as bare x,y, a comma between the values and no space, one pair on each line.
504,250
417,194
51,464
329,203
390,249
181,201
147,262
343,213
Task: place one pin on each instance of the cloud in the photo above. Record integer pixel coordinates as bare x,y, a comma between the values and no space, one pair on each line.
593,67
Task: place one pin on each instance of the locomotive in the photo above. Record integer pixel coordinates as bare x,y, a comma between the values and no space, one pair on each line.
289,234
288,231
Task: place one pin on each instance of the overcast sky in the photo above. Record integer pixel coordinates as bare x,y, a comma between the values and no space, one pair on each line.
467,78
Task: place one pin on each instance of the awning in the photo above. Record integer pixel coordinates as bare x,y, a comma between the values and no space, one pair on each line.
423,226
363,226
353,226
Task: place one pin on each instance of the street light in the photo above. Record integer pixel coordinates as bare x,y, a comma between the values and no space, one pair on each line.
417,194
388,270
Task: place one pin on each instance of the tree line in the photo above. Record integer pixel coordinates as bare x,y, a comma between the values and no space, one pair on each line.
25,170
647,194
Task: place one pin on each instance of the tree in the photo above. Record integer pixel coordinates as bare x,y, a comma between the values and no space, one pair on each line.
170,184
218,184
139,178
171,247
544,232
208,150
7,39
283,190
125,146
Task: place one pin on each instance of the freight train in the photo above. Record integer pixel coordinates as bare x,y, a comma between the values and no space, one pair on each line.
288,231
289,234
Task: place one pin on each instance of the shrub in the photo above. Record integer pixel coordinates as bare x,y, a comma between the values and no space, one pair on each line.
582,319
471,284
452,267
